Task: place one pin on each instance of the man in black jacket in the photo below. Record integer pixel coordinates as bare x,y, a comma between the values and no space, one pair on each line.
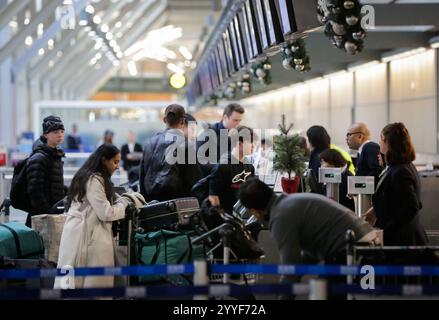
358,138
232,171
168,169
44,169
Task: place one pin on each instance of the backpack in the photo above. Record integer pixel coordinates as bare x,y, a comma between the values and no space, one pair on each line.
18,195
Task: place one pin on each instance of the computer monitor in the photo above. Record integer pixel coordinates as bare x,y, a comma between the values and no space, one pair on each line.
245,35
240,40
274,29
235,45
261,23
229,52
253,28
218,65
223,59
285,12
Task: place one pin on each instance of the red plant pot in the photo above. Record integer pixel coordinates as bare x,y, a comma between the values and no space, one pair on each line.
290,185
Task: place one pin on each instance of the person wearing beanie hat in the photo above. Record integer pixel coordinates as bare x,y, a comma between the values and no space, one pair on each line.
44,169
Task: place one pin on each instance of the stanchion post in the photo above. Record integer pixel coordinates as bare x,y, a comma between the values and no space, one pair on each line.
350,253
226,233
130,210
318,289
200,277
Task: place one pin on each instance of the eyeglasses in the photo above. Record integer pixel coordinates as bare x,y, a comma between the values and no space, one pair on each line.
352,133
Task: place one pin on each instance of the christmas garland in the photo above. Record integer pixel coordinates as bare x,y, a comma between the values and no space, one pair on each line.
342,19
261,71
294,56
230,91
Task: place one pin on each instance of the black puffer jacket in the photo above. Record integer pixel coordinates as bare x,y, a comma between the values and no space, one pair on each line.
44,173
160,180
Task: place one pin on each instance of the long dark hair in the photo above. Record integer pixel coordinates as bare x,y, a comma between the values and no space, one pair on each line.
400,145
93,165
319,138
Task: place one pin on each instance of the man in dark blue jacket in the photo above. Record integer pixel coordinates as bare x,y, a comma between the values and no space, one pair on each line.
358,138
218,136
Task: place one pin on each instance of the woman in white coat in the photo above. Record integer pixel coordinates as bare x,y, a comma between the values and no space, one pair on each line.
87,238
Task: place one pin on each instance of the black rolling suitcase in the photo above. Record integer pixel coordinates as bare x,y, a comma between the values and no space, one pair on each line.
168,214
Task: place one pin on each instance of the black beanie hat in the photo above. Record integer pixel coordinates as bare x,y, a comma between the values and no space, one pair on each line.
52,123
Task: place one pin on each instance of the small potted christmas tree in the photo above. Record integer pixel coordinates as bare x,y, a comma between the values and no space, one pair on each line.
289,157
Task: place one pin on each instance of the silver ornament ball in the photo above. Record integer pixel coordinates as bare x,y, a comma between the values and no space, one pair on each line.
300,67
358,35
348,5
352,20
267,66
260,73
350,47
298,61
339,29
286,63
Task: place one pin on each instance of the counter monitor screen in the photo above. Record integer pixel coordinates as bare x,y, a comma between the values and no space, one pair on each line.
252,27
286,14
360,185
329,175
274,29
259,13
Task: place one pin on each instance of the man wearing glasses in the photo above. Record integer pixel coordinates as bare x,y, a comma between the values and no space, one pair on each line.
358,139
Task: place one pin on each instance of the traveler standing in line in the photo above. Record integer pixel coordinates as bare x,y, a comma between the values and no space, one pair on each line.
358,139
87,237
167,170
44,169
397,200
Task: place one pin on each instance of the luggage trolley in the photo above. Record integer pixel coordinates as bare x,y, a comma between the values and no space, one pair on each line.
366,254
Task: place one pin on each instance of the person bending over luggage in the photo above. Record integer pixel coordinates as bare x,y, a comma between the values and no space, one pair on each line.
87,238
304,222
331,158
169,168
44,169
232,171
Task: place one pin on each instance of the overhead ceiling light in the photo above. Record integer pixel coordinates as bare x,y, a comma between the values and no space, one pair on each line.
109,36
118,24
357,66
186,53
40,30
13,24
174,68
90,9
91,33
116,48
116,63
83,22
98,56
132,69
51,64
119,55
113,43
97,19
87,29
59,54
50,44
105,28
41,51
28,41
26,21
399,54
98,45
93,61
129,25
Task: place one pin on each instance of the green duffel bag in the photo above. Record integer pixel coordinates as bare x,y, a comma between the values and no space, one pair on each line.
166,247
20,242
